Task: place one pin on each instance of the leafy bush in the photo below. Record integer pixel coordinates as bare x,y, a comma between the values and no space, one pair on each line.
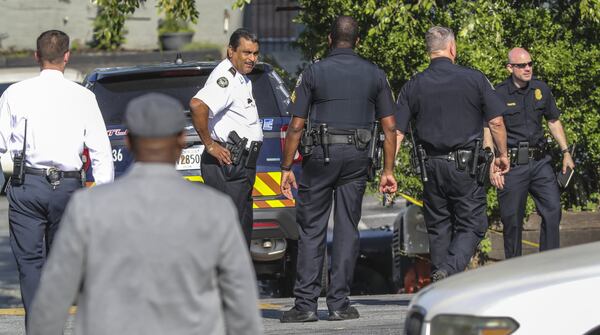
561,36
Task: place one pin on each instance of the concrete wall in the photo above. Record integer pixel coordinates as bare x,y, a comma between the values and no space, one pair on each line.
21,21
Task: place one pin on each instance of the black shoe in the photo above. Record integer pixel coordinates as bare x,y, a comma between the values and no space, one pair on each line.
346,314
294,315
438,275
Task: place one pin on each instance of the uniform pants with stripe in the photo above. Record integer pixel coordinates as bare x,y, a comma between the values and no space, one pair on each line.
344,180
536,178
34,213
455,215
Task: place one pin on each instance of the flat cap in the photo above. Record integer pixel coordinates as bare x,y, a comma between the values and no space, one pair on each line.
154,115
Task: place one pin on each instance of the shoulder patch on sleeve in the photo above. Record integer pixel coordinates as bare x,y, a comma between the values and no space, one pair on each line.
232,71
223,82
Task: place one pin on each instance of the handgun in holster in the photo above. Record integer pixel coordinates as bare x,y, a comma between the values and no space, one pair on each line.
486,158
375,150
236,146
18,176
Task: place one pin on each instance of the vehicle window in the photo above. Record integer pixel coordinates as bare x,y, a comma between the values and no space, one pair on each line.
263,93
113,94
3,87
281,92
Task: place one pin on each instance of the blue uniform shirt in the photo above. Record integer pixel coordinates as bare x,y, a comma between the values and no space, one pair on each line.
524,110
344,91
449,104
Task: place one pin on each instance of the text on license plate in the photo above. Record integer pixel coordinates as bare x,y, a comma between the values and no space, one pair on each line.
190,158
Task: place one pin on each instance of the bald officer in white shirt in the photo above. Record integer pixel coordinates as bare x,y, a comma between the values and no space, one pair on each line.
226,104
61,117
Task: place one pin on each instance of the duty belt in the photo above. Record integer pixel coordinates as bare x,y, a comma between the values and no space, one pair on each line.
534,153
50,171
462,157
54,175
339,139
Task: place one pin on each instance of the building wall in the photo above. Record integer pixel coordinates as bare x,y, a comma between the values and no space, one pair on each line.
21,21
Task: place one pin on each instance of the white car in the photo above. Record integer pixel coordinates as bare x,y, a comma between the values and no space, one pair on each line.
9,76
553,292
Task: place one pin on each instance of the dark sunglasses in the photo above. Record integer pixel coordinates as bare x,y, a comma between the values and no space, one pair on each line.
522,65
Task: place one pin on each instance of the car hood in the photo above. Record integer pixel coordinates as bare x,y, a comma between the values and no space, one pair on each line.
498,288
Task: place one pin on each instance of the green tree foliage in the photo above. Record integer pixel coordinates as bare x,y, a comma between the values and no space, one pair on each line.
562,36
109,23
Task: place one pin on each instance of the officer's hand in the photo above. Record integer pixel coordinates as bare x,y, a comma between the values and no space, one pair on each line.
387,183
502,164
567,161
221,154
288,180
496,178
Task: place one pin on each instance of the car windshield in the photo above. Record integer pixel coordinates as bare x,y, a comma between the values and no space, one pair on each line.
114,93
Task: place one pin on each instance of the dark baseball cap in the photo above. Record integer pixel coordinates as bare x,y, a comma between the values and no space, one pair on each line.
154,115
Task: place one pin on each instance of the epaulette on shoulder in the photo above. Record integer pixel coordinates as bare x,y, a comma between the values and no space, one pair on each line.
232,70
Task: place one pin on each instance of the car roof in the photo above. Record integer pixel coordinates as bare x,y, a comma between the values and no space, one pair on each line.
15,74
102,73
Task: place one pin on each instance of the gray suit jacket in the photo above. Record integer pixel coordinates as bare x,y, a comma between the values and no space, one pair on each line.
149,254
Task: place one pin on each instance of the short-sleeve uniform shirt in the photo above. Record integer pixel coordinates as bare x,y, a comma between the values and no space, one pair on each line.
449,104
525,108
344,91
228,94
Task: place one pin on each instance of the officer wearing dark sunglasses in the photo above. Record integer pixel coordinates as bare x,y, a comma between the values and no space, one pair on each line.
527,100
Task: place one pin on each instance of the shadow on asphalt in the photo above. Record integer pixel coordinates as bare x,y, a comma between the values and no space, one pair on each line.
9,280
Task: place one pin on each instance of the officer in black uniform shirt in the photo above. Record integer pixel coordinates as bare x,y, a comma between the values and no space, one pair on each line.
449,104
527,100
344,94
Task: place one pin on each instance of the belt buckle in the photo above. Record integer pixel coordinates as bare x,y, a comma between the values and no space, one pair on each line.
53,176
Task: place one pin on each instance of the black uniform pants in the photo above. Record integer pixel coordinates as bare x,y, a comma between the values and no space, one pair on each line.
344,179
538,179
236,181
34,212
455,215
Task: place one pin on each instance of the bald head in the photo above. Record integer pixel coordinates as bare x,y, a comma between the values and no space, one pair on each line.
344,32
520,66
518,56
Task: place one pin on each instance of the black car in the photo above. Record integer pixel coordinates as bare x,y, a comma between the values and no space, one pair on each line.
274,231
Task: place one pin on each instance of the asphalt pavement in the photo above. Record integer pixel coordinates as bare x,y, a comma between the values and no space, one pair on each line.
380,315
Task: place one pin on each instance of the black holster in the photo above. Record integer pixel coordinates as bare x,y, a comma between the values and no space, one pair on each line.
236,146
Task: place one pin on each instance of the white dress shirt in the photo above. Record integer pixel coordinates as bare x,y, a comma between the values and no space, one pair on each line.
61,116
228,94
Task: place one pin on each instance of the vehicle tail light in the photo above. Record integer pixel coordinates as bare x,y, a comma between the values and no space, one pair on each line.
283,130
265,225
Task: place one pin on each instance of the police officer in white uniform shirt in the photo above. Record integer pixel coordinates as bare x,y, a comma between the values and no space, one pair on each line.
52,118
223,108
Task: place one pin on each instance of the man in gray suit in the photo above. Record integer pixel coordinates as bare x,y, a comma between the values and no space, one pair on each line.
151,253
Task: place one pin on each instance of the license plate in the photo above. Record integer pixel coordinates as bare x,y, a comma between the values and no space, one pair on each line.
190,159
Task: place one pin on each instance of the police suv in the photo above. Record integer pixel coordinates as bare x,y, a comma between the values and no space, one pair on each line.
274,236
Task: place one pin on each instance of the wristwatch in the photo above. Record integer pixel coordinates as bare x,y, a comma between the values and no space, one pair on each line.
285,167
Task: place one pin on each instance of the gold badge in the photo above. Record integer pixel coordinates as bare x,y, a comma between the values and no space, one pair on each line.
293,97
510,104
538,94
